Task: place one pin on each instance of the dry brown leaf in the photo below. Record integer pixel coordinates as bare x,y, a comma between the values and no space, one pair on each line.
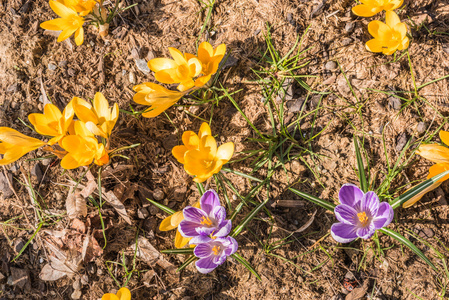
109,171
117,205
146,252
90,187
358,293
75,205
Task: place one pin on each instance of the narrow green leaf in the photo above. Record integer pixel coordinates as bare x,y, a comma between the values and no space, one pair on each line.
246,264
241,174
360,166
161,206
178,251
313,199
190,260
400,238
200,188
248,218
416,190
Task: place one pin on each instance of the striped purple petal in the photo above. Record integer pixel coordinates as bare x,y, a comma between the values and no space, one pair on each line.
350,194
209,201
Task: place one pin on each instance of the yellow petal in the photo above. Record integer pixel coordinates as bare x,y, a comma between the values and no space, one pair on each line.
401,29
434,153
377,27
96,130
404,44
438,169
195,67
177,56
205,52
124,294
392,19
66,33
418,197
396,4
62,10
225,151
177,217
79,36
204,130
52,112
110,296
220,50
70,162
179,152
55,25
365,10
209,145
159,64
82,130
101,105
13,137
85,114
444,136
374,45
197,204
185,85
190,140
180,241
201,81
166,224
167,76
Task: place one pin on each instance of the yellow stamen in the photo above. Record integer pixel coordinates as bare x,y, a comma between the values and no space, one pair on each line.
216,249
206,221
363,218
212,235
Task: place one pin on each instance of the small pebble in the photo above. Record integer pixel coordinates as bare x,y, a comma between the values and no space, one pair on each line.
349,27
331,65
401,141
41,99
394,103
123,72
52,67
142,66
347,41
421,127
142,213
158,194
63,64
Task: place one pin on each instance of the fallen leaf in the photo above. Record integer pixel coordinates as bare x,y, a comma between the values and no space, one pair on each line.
75,205
359,292
117,205
146,252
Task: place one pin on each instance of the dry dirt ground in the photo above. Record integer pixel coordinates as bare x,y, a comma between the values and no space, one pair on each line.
312,265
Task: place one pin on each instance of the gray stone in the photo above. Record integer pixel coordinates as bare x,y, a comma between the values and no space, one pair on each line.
347,41
142,213
36,171
394,103
401,141
41,99
4,185
52,67
47,161
18,244
76,294
63,64
421,127
20,278
349,27
142,66
331,65
295,105
158,194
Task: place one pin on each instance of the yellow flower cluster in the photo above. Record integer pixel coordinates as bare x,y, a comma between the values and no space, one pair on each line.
75,137
389,36
199,154
122,294
190,72
71,19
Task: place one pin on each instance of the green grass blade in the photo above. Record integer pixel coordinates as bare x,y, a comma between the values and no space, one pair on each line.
200,188
416,190
190,260
161,206
315,200
248,218
246,264
400,238
241,174
178,251
360,166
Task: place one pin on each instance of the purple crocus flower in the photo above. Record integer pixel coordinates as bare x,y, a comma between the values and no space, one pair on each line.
214,253
206,223
360,214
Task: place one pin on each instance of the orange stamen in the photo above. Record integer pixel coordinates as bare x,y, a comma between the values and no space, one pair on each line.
206,221
215,250
363,218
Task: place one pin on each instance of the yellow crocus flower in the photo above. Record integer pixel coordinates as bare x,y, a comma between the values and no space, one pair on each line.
70,22
14,145
369,8
210,58
440,156
83,7
52,122
205,160
156,96
172,222
99,118
191,141
388,37
122,294
181,69
82,148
